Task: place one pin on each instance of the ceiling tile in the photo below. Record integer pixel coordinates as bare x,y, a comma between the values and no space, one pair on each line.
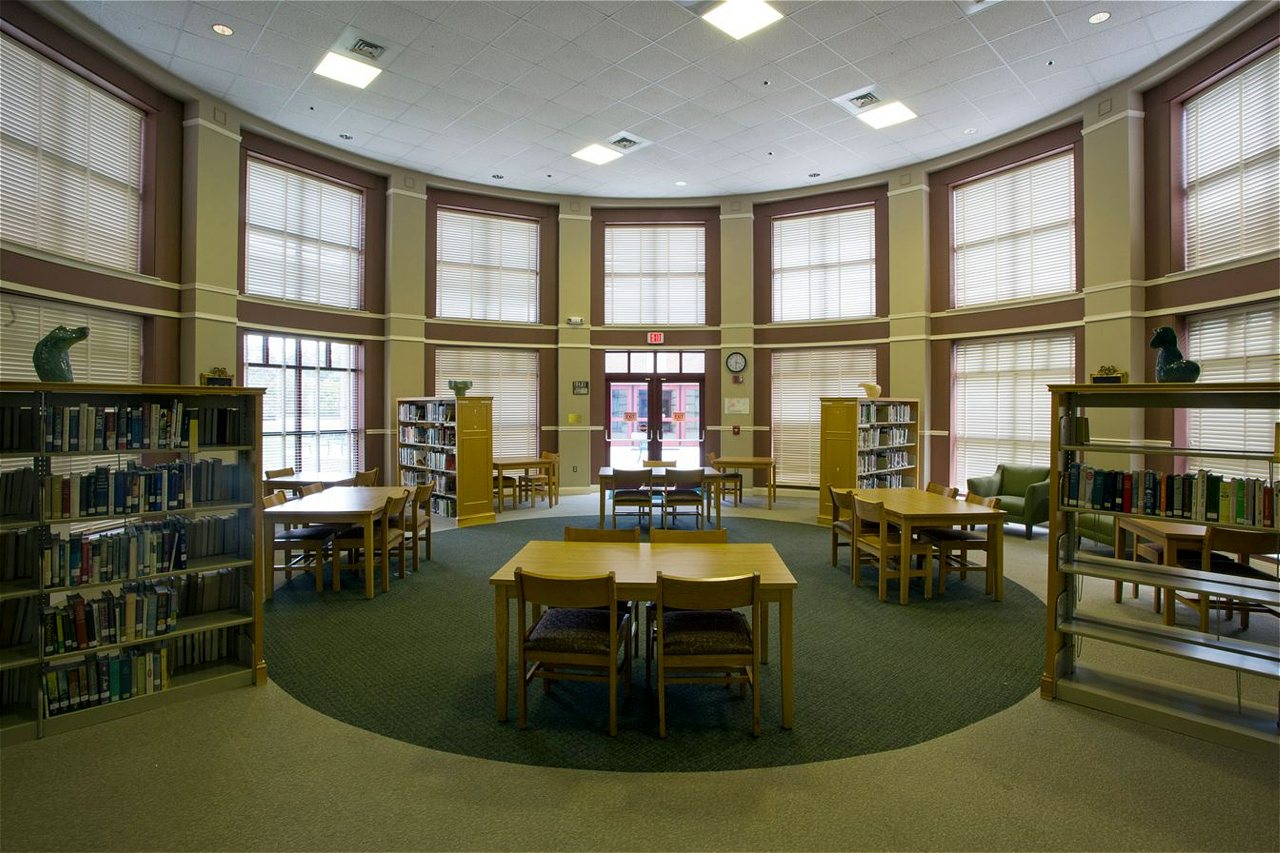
692,81
224,57
141,32
653,63
529,42
215,80
398,23
688,115
782,39
574,62
724,98
944,41
841,81
695,40
286,51
1009,17
1075,21
481,21
655,100
396,87
1037,67
511,101
498,65
419,66
811,62
360,124
1186,18
338,10
989,83
622,115
381,106
1115,68
258,98
381,148
617,83
297,23
472,87
862,41
1029,42
883,66
542,83
567,19
732,61
174,14
824,20
912,19
402,132
611,41
966,64
272,73
583,99
1111,42
447,46
653,20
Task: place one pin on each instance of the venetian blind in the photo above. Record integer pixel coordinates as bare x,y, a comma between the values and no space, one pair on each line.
1231,168
1002,410
1234,346
304,237
799,378
510,376
824,266
655,274
1014,233
486,267
70,156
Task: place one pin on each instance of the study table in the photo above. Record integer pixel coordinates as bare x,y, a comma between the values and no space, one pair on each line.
754,463
635,567
294,482
711,479
1169,536
525,464
910,509
342,506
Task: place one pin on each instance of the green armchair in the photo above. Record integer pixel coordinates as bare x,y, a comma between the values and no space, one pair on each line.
1023,491
1100,528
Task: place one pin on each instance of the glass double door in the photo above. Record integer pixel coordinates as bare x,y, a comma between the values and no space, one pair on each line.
655,418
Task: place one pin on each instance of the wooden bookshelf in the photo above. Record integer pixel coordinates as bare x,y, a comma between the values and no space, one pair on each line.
448,441
867,443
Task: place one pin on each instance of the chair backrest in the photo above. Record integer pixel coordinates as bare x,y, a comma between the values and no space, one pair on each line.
939,489
626,478
991,502
367,478
658,463
708,593
421,504
280,472
311,489
274,499
598,534
712,536
1241,544
869,512
1016,479
840,500
395,509
684,478
558,591
711,458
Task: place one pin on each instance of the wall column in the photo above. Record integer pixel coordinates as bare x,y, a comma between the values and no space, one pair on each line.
908,307
574,359
737,332
406,300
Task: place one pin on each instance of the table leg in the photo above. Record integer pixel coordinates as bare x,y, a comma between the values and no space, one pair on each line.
995,532
773,485
764,632
386,557
784,652
602,490
1118,551
268,557
904,564
1170,596
500,629
368,556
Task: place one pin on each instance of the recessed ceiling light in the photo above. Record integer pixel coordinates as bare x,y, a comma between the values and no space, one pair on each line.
222,29
815,174
597,154
497,177
345,136
894,112
970,131
1099,17
741,18
338,67
682,183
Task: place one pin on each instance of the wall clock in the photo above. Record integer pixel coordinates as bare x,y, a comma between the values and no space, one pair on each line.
736,362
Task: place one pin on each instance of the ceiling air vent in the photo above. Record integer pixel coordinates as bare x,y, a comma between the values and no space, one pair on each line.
367,49
863,100
856,101
627,142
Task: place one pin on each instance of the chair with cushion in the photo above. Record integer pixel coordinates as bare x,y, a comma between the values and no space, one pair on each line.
367,478
1023,491
658,536
352,540
730,481
841,520
702,639
272,474
602,534
955,543
633,489
313,541
577,630
882,542
683,489
419,530
1227,551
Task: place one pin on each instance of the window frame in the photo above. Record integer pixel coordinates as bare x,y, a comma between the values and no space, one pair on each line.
503,290
501,428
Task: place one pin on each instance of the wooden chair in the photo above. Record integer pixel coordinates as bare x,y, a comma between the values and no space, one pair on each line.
702,639
633,488
939,489
351,540
683,489
313,540
576,638
659,535
1242,544
419,529
882,542
275,472
841,522
546,483
597,534
730,481
502,483
955,543
367,478
658,463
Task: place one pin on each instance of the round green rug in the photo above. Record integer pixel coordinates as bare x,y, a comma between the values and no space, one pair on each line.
417,664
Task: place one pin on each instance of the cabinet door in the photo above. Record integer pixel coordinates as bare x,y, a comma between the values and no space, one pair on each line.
838,451
475,461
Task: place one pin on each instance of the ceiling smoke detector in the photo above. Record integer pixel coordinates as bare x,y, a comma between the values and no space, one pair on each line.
626,142
367,49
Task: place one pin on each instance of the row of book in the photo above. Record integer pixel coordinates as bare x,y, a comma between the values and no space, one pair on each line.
133,489
19,553
85,428
437,410
433,435
870,412
884,480
17,625
419,458
1200,496
884,460
884,437
18,687
19,493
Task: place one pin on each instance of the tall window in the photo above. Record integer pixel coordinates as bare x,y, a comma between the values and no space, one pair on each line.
510,376
800,377
1002,409
486,267
1231,168
71,162
111,353
824,265
655,274
1014,233
304,237
311,410
1234,346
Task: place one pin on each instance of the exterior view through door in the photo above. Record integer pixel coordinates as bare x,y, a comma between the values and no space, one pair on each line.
655,407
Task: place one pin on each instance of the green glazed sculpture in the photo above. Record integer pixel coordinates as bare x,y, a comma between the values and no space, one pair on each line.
52,361
1170,365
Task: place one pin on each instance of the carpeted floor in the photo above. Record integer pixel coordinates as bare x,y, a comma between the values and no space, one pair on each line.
417,665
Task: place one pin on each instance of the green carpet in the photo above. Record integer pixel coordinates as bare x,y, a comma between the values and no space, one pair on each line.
416,664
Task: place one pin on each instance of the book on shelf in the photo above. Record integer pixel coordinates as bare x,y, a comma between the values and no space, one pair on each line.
1201,496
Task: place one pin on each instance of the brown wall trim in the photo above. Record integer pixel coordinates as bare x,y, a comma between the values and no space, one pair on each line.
548,400
941,184
304,323
939,449
484,335
762,240
1162,141
161,341
708,217
1253,280
74,282
375,205
1009,320
762,411
842,334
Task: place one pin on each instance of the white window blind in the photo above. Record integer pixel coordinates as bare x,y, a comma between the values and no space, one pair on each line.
510,376
71,163
311,408
1002,410
1014,233
655,274
1231,168
111,353
304,237
487,267
799,378
824,266
1234,346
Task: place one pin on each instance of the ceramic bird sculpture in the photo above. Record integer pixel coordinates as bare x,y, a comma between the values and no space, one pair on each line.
51,359
1170,365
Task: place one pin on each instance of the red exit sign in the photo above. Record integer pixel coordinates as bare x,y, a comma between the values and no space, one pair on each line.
656,337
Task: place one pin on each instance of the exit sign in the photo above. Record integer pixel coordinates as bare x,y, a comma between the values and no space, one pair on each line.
656,337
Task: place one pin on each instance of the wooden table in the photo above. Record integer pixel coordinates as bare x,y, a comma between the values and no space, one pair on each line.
1169,536
711,479
294,482
525,464
345,506
635,567
754,463
912,508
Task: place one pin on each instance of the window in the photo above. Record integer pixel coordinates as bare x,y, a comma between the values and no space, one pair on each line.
510,376
800,377
824,265
71,159
1231,165
655,274
311,409
304,237
1234,346
1002,408
486,267
111,353
1014,233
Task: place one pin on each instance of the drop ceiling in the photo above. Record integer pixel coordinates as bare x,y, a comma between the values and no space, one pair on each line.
502,93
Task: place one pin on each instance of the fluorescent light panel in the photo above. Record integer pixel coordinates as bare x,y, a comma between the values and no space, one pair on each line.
741,18
335,66
597,154
890,114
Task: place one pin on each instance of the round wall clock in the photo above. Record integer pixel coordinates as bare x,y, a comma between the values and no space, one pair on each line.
736,362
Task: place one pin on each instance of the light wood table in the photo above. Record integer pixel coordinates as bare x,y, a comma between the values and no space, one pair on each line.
753,463
294,482
711,480
635,567
346,506
913,508
1169,536
525,464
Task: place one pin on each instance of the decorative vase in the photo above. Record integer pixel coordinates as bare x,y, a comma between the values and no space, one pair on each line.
1170,365
872,389
50,357
459,387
